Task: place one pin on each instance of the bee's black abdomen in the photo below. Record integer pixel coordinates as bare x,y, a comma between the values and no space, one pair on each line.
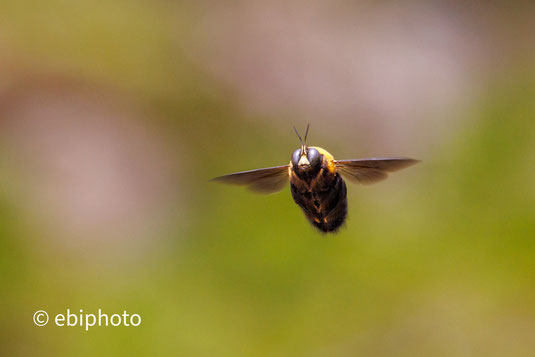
337,210
325,206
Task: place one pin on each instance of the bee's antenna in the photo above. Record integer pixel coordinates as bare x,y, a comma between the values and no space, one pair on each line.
306,134
299,136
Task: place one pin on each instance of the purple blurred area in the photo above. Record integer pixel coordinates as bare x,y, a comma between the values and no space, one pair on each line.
86,164
389,70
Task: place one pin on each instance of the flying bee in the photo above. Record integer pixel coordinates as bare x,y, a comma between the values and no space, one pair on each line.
316,181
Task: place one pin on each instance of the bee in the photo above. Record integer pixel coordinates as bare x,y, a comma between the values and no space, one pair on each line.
317,181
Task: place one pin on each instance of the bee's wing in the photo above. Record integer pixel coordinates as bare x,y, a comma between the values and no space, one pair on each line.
371,170
268,180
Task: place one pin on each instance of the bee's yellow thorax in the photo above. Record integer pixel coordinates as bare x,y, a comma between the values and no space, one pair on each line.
328,157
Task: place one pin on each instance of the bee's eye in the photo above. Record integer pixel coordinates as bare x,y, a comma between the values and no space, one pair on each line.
313,156
296,156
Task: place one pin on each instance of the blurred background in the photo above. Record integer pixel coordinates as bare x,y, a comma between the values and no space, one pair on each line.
115,114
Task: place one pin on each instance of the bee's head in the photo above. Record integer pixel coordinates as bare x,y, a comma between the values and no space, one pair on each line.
306,158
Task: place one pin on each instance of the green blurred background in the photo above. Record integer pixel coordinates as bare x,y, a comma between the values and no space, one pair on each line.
115,114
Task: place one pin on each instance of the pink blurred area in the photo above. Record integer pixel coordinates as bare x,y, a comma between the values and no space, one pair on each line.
88,167
386,71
